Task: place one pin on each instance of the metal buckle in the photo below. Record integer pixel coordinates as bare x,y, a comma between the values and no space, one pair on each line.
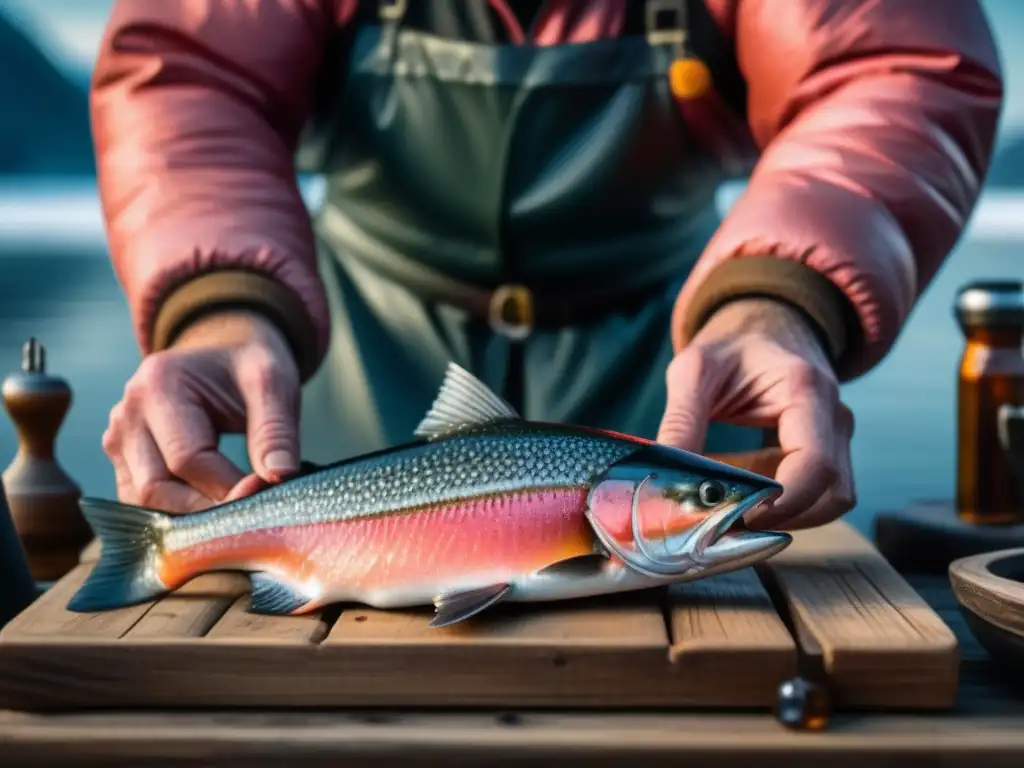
674,31
511,311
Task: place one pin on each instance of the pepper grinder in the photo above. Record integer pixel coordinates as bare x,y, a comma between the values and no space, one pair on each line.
42,498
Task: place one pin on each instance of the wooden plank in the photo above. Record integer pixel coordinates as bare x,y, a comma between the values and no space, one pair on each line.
727,635
584,653
504,739
881,645
238,625
49,620
588,653
191,610
154,672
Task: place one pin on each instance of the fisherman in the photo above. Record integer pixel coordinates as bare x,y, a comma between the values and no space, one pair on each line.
527,189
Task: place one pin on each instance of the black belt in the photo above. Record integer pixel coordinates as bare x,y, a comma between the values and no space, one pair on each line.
514,310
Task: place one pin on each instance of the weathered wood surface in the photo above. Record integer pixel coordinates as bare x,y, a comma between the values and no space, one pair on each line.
714,643
875,637
504,739
986,727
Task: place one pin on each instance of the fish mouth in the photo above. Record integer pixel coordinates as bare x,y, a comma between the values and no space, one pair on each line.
723,541
741,548
719,523
719,542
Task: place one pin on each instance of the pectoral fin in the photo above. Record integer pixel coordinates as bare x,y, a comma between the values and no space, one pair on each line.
453,607
272,595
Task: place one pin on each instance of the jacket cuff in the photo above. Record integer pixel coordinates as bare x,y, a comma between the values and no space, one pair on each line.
821,301
233,290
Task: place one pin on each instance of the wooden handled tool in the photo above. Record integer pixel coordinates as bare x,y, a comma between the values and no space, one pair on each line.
42,498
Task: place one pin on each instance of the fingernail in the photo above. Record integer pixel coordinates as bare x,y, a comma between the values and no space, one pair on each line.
280,461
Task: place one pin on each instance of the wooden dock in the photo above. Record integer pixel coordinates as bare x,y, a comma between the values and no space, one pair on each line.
829,606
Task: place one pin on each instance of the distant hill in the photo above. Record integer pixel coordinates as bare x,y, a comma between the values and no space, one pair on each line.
45,125
1008,164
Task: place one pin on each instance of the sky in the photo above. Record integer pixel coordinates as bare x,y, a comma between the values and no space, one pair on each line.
71,29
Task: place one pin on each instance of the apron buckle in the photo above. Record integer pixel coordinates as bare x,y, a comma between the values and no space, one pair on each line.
511,311
666,22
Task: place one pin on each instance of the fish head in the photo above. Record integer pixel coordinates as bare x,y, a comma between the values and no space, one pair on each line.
669,513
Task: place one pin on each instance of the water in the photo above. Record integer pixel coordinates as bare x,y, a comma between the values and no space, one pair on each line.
57,285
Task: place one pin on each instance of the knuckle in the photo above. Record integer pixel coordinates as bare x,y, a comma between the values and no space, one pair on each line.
148,493
112,435
806,379
155,368
690,366
134,391
259,369
845,420
845,503
828,470
679,364
836,507
111,441
178,458
152,375
116,418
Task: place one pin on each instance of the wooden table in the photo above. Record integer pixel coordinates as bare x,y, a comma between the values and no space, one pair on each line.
985,728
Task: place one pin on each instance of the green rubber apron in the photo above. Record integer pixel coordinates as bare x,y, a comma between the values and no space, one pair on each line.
528,212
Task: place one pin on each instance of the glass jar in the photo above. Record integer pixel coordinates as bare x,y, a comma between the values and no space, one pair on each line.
990,402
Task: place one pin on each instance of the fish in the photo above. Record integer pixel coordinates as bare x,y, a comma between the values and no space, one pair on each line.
481,507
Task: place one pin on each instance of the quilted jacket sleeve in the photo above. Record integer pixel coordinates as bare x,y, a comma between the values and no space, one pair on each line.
196,111
876,122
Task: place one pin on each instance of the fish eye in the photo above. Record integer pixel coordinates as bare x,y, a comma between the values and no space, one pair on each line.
711,493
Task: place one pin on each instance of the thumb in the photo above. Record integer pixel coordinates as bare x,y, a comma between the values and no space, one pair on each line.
271,395
689,394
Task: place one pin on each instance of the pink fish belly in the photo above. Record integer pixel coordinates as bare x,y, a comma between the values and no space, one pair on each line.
383,558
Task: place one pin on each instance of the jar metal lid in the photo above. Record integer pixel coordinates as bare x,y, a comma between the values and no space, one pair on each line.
990,303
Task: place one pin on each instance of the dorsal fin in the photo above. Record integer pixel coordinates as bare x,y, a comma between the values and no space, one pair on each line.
463,401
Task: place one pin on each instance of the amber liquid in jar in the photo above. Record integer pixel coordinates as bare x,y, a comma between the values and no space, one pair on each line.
991,316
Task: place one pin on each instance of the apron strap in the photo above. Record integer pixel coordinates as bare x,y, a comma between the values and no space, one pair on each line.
704,113
390,13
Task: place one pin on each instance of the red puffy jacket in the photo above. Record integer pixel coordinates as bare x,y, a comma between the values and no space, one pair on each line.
874,121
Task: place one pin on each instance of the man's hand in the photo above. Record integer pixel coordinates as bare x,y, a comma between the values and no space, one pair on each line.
228,373
758,363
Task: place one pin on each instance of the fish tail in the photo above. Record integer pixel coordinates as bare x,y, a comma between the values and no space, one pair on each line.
130,552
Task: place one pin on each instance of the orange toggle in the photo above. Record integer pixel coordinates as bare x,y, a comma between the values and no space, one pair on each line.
689,78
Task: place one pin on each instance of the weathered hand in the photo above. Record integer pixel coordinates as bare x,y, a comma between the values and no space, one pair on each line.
228,373
757,363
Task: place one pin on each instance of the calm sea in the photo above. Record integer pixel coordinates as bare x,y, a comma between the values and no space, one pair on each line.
56,285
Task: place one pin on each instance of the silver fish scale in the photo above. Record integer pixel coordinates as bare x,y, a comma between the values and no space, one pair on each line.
422,475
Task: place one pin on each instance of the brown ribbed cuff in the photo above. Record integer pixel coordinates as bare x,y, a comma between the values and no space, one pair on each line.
238,290
793,282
